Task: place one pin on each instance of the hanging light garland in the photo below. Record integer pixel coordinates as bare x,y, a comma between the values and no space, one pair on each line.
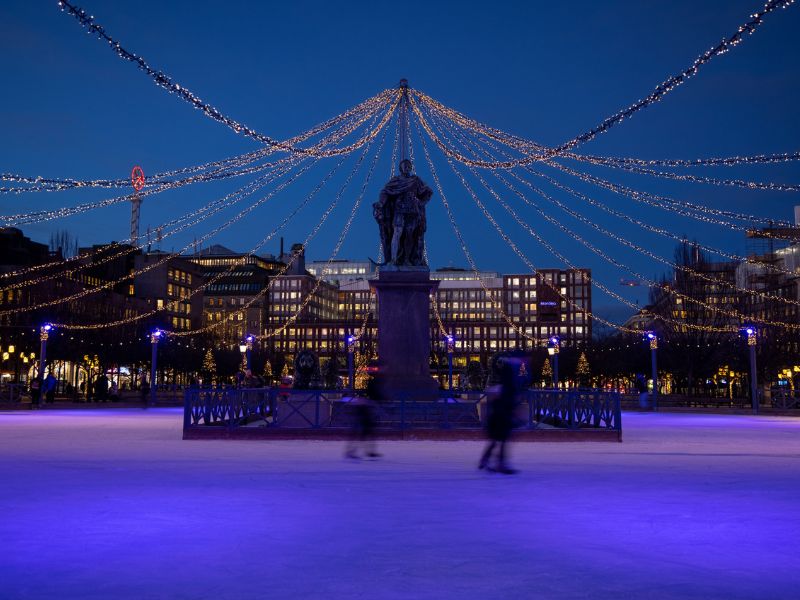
36,217
748,28
620,239
288,265
530,148
515,248
201,214
336,248
236,263
166,82
636,195
751,185
123,249
368,106
590,246
240,261
688,208
165,259
730,313
727,161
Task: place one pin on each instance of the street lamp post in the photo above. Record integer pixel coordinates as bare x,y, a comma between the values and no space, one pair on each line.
243,350
750,332
350,340
248,340
450,346
553,350
653,339
44,333
154,337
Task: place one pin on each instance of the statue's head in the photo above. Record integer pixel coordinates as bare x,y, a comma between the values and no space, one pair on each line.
406,167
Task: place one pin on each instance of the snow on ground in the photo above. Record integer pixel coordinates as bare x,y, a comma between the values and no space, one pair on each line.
112,504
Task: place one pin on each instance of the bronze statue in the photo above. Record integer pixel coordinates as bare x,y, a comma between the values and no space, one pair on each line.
400,214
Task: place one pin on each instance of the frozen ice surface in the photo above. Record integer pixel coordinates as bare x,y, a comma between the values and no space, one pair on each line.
112,504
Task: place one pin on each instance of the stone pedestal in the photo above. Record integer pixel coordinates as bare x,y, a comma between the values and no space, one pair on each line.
404,333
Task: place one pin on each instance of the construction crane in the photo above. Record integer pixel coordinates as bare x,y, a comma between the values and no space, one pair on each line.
137,180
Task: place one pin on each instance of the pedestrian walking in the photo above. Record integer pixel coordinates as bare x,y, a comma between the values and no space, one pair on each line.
641,387
144,389
501,419
363,436
101,388
365,421
36,391
49,388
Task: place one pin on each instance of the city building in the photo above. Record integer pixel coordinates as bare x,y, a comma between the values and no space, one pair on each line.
341,272
486,315
235,294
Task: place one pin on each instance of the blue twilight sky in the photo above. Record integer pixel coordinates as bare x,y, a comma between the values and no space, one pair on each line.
543,70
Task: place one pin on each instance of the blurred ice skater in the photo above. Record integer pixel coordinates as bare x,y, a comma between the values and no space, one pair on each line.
501,417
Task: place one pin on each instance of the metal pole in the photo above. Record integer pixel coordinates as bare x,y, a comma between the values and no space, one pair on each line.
43,335
555,368
654,366
753,381
350,366
403,121
450,344
153,365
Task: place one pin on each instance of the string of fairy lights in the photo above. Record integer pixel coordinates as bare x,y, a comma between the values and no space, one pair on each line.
751,185
506,238
668,85
234,264
685,209
476,147
169,256
660,230
661,201
40,216
285,269
39,183
162,261
239,261
201,214
727,161
639,196
166,82
686,298
622,240
546,244
293,318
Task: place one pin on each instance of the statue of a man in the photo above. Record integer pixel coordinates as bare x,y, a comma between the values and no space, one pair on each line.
401,206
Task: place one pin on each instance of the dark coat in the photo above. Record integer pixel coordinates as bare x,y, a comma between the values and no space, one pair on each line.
501,407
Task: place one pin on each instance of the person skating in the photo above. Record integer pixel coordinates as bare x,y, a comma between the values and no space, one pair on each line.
501,419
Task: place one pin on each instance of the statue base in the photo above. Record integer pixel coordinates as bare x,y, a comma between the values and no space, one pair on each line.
404,333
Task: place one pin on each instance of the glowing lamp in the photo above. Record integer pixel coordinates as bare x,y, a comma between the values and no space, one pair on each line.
242,348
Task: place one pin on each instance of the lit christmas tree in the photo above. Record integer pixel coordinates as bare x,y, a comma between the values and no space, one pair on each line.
268,371
361,375
285,371
209,365
547,370
582,370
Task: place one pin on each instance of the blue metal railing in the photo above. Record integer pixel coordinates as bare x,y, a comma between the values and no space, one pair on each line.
324,409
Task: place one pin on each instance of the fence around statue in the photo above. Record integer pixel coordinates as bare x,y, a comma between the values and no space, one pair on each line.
284,413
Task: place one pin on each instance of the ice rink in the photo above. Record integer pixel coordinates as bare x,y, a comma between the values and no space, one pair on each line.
112,504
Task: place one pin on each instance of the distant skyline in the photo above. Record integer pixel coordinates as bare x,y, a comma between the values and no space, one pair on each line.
544,71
